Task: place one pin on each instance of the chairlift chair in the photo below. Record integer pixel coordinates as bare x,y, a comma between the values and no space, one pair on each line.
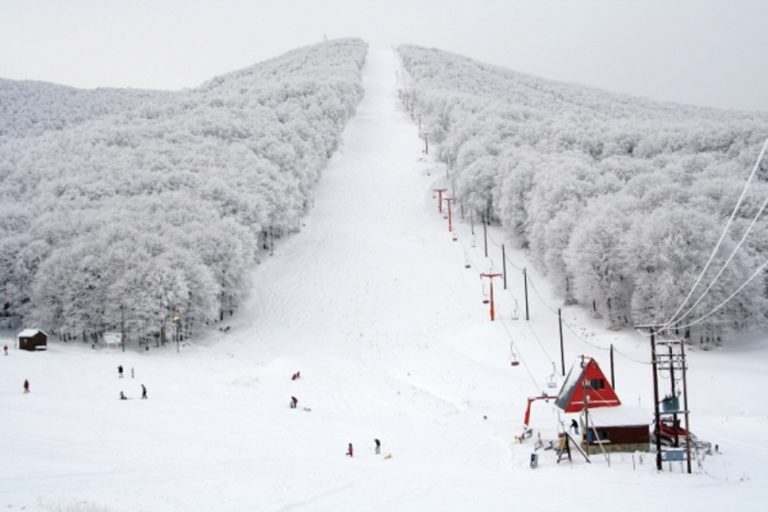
551,380
513,355
467,264
486,300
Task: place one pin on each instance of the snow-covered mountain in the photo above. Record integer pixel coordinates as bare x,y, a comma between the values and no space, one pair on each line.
29,108
156,212
373,303
619,199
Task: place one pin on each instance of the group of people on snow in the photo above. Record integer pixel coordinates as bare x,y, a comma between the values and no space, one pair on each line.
143,393
376,449
122,394
293,404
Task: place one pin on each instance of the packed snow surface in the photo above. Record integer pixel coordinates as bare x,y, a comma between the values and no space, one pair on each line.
373,305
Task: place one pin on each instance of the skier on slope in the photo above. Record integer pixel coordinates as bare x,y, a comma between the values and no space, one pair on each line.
294,402
350,451
377,448
26,386
143,392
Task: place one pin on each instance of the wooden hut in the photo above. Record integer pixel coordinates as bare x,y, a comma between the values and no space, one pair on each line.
33,339
619,429
606,423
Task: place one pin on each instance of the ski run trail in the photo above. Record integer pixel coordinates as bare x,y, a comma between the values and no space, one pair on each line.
372,303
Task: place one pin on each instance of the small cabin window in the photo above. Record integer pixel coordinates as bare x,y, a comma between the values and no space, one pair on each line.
597,383
603,436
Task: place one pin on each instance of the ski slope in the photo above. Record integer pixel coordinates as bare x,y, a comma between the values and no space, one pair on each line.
372,303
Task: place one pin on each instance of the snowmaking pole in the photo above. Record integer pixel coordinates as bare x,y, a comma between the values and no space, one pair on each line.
426,143
585,406
504,264
562,348
672,384
525,288
485,234
656,413
439,198
685,406
490,278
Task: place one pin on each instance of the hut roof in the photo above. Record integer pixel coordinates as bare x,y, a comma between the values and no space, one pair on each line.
571,395
620,416
28,333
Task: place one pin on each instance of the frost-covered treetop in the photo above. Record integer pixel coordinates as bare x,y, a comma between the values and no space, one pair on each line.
149,209
29,108
619,199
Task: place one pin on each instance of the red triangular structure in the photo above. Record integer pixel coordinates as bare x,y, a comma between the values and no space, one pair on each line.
586,374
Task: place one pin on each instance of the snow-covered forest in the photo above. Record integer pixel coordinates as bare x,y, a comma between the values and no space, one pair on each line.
620,200
30,108
141,210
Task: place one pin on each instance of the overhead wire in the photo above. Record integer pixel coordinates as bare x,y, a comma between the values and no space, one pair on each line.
517,353
519,356
725,265
720,240
726,301
573,331
467,253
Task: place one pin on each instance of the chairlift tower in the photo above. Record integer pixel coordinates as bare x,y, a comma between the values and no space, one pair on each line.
439,192
490,278
449,201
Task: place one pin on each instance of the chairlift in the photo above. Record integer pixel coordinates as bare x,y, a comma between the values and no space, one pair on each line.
474,241
486,300
454,237
467,264
513,355
551,380
515,314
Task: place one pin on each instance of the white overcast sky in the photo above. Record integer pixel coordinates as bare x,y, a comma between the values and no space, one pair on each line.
704,52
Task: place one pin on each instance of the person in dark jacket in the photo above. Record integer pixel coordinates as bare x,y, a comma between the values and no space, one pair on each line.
350,451
377,448
294,402
143,392
26,386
